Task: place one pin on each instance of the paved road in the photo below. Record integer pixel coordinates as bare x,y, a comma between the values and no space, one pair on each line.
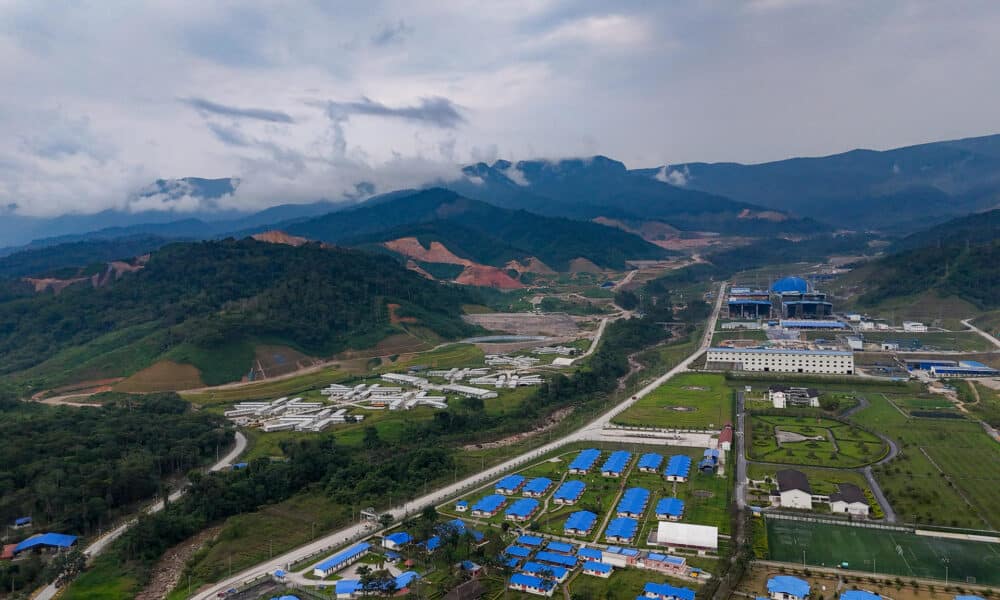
594,342
992,340
101,544
338,538
739,438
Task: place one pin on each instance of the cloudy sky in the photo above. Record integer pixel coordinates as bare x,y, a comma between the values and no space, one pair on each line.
302,100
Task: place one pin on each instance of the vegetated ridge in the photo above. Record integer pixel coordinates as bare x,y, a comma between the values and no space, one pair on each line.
209,303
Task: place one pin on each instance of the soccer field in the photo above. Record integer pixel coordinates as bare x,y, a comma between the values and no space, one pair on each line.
894,552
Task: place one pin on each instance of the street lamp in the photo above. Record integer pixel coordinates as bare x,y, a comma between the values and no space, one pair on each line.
946,560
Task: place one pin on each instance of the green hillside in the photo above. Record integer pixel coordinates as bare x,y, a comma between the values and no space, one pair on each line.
208,303
484,233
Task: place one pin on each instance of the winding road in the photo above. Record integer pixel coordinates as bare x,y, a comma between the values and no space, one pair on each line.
101,544
589,432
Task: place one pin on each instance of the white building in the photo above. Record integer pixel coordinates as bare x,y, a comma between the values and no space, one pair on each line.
782,360
783,396
914,327
684,535
794,490
469,391
849,499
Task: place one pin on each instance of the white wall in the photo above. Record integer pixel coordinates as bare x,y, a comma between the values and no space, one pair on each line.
796,499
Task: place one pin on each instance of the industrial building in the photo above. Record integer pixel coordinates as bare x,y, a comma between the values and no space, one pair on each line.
782,360
951,368
811,324
41,541
682,535
340,560
748,303
799,301
469,391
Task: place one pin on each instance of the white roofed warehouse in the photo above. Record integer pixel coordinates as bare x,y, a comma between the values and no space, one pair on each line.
782,360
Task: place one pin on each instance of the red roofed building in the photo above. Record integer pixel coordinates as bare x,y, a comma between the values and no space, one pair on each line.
726,437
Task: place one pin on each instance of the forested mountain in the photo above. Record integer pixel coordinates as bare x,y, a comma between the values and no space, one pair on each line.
478,231
603,187
47,260
208,303
903,189
959,258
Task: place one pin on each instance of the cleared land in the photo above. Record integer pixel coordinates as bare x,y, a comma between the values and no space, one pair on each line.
812,441
899,553
962,341
690,400
165,375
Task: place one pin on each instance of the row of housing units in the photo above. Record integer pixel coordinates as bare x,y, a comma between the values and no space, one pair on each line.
286,414
541,566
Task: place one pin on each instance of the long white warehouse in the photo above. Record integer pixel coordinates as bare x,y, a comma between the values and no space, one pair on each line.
782,360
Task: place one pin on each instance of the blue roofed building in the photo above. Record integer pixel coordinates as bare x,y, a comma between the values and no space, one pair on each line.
522,582
787,587
404,580
650,463
665,591
488,505
537,487
633,502
580,523
518,551
21,522
968,597
432,543
462,506
560,547
530,540
59,541
621,530
555,558
509,485
621,557
546,571
569,492
396,540
597,569
521,510
860,595
593,554
347,588
616,464
341,559
710,461
665,563
678,468
584,461
670,509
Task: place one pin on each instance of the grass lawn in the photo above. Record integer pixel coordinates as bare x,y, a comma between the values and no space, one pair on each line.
624,584
738,334
704,400
252,538
962,341
904,554
914,484
841,445
104,580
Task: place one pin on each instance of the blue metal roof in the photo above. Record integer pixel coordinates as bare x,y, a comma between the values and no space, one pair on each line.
537,485
347,586
343,556
617,462
623,551
810,324
561,547
969,598
672,507
510,482
433,543
711,453
399,538
590,554
633,501
531,581
461,503
22,520
597,567
403,580
556,559
512,562
784,351
667,558
585,459
622,527
786,584
570,490
489,503
650,461
57,540
971,363
580,521
518,551
668,591
860,595
678,466
790,284
535,568
458,525
746,301
523,507
529,540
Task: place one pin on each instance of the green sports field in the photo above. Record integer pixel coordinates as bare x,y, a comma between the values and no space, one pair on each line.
897,553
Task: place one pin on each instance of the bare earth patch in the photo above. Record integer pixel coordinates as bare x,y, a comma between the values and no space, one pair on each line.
550,423
167,572
163,376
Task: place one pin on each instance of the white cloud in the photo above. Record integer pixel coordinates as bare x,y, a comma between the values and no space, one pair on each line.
602,31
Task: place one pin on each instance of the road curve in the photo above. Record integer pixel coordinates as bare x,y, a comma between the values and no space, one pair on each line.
355,531
990,338
101,544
